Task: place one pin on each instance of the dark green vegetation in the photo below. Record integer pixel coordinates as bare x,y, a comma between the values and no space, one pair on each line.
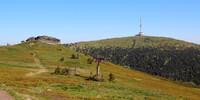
27,72
169,58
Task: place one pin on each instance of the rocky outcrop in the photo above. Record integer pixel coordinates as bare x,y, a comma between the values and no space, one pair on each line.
44,39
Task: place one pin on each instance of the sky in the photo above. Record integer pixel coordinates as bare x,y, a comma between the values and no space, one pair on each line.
84,20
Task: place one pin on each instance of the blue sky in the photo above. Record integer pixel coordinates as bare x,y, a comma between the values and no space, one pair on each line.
82,20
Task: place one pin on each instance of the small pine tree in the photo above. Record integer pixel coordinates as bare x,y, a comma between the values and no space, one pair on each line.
62,59
73,56
57,70
111,77
89,61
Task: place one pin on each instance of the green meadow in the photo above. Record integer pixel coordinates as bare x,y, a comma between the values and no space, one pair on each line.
27,73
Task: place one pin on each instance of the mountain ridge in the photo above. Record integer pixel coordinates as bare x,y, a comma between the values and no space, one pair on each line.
128,42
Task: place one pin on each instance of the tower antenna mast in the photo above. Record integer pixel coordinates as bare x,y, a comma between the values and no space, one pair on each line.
140,25
140,32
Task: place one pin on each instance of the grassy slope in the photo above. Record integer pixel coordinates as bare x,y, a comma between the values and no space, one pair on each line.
144,41
16,61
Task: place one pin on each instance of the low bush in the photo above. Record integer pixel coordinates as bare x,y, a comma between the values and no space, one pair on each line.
90,61
111,77
62,59
73,56
57,70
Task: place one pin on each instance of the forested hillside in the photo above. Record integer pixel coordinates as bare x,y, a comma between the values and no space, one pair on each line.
169,58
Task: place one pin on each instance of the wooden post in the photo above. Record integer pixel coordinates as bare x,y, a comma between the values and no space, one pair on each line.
98,68
98,60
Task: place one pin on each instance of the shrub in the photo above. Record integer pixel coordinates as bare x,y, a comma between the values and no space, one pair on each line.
90,60
31,53
57,70
59,49
62,59
111,77
73,56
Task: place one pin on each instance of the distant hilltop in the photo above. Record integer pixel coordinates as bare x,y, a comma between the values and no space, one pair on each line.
44,39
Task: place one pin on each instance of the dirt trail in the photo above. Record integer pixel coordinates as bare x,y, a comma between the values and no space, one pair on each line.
38,63
5,96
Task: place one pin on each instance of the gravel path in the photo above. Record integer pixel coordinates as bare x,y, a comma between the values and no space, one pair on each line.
39,71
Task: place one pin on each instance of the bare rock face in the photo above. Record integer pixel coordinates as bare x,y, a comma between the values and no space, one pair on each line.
44,39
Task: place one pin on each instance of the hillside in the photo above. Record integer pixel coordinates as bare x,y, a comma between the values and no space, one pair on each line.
166,57
26,72
136,42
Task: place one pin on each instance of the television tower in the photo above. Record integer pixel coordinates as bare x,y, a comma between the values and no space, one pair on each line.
140,24
140,33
